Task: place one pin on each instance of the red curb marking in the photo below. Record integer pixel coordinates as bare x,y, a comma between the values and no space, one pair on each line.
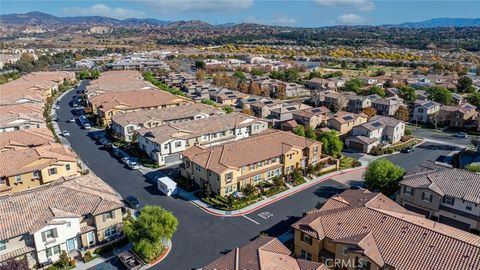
273,200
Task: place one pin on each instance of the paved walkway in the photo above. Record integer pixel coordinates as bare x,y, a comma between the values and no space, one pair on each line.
342,175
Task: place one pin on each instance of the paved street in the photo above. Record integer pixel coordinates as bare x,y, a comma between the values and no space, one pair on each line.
201,237
442,136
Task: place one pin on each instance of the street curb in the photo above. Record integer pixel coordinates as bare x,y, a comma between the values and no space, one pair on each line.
307,185
163,257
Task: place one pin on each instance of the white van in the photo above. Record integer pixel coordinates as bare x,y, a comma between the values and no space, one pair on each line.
167,186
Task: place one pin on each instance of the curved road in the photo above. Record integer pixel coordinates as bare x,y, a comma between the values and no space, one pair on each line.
200,237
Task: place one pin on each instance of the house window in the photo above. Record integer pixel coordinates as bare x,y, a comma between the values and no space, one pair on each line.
67,167
69,224
197,168
427,196
449,200
468,207
408,190
53,251
229,177
49,234
18,179
52,171
111,231
306,238
345,251
36,174
178,144
252,166
244,168
306,255
3,245
259,164
108,215
165,146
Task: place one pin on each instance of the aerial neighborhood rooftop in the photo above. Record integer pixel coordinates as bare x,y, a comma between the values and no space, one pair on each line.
145,143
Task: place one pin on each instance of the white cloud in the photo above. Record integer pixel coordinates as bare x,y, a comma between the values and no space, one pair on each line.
351,19
362,5
106,11
166,6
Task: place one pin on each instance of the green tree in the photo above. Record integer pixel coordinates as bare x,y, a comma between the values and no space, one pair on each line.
95,73
299,130
84,74
408,131
239,75
473,168
227,109
208,102
354,85
344,65
382,173
465,85
248,189
440,94
200,64
376,90
147,232
257,72
310,133
331,143
407,93
474,98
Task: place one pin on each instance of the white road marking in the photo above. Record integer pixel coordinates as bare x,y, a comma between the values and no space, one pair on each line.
251,219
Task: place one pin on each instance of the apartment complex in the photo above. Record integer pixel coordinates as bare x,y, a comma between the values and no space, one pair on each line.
263,253
449,195
117,81
164,143
125,124
109,104
229,167
366,230
66,215
26,168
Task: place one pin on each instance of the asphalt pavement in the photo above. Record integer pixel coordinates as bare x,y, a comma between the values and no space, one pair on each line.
201,237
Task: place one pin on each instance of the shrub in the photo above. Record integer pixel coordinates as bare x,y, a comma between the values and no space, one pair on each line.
87,256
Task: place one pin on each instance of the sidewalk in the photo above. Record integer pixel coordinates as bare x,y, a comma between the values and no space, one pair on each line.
267,201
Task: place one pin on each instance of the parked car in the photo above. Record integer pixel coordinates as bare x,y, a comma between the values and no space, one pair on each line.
56,107
460,135
56,118
75,104
86,126
71,120
129,261
407,150
133,165
116,152
82,117
125,159
65,133
132,202
108,146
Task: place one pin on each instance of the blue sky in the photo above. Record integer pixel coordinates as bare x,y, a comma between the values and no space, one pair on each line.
309,13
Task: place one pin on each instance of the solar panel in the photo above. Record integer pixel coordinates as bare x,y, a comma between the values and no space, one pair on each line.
291,108
251,100
348,118
316,110
377,124
228,93
231,96
268,102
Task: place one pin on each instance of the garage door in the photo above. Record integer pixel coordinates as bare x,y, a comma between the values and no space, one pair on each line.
417,210
454,223
356,145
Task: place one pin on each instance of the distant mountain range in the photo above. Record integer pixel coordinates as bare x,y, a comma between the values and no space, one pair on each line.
443,22
36,18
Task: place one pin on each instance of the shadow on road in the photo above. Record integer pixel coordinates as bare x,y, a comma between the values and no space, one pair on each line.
281,227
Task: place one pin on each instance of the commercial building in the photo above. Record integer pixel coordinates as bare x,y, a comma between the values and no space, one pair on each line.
366,230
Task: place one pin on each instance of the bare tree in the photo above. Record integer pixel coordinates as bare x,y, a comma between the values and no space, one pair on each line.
434,119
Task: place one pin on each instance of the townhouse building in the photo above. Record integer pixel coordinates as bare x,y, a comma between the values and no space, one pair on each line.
424,110
165,143
440,192
22,139
379,130
21,117
357,103
262,108
109,104
312,117
226,96
343,122
26,168
124,125
117,81
459,116
262,253
366,230
285,112
64,216
387,106
227,168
